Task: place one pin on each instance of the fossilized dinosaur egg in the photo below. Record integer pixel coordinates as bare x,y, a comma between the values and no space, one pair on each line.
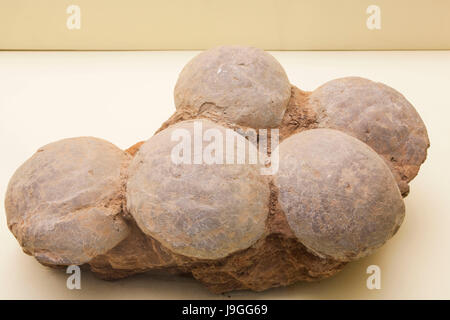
241,85
339,196
197,207
63,203
379,116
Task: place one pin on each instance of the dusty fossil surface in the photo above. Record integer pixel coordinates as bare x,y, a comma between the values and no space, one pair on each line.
191,218
380,117
64,204
330,187
245,86
346,154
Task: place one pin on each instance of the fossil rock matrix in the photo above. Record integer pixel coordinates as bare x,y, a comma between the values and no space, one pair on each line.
347,152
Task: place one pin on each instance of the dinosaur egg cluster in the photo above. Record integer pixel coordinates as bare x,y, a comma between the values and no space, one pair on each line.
345,155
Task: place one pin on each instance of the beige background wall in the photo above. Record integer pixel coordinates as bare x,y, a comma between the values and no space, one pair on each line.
200,24
124,97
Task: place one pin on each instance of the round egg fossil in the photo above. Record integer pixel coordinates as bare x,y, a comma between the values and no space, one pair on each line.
378,116
198,210
63,204
339,197
240,85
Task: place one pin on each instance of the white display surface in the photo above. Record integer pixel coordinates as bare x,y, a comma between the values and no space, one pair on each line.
124,97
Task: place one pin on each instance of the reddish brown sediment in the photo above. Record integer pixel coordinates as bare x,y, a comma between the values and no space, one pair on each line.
298,116
277,259
135,148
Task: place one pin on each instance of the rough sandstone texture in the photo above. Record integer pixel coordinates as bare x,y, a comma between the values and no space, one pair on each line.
241,85
83,201
252,248
276,259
